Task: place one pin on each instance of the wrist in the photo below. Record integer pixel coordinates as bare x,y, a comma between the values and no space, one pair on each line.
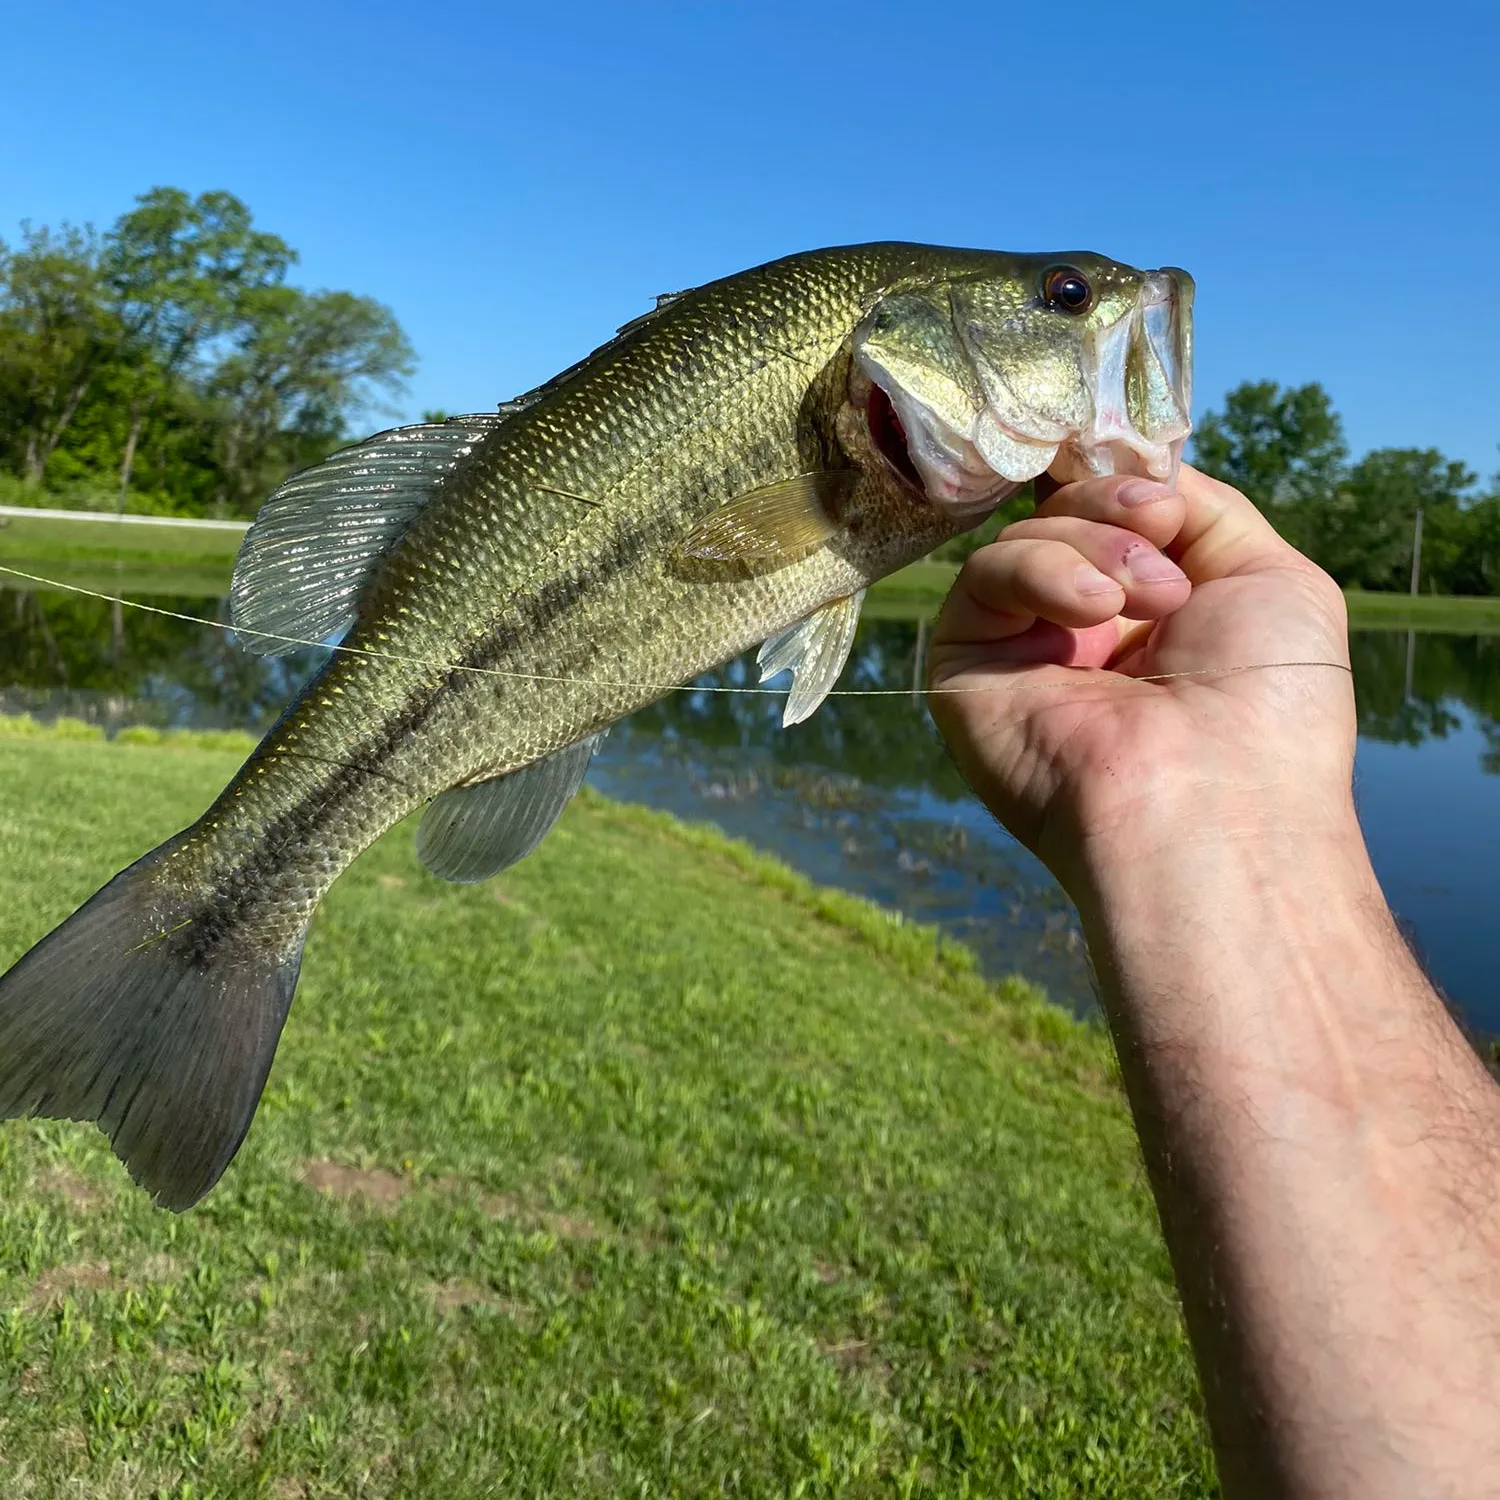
1179,830
1215,920
1256,959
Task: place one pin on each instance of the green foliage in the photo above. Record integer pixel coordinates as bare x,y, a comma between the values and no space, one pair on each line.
1363,533
282,392
181,268
648,1168
168,365
1464,549
56,329
1285,450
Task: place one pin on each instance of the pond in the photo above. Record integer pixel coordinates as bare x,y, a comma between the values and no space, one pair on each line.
863,795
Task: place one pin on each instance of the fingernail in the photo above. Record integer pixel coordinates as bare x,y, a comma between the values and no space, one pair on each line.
1089,580
1140,491
1147,565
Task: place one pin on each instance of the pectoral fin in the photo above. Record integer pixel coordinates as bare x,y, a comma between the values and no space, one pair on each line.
780,522
814,650
473,832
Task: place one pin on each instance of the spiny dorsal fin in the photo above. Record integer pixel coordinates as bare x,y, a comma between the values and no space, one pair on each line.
663,300
814,650
779,522
474,832
307,557
518,404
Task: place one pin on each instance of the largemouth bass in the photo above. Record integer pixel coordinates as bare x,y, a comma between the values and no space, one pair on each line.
733,469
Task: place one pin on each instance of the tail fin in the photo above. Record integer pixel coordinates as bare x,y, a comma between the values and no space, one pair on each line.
122,1015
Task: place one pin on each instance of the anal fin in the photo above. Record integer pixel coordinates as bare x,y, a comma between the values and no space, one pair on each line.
814,650
473,832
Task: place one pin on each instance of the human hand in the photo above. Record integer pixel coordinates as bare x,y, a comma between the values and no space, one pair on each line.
1080,758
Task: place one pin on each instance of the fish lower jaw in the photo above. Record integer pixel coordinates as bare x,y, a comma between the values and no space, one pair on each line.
955,475
965,475
1125,454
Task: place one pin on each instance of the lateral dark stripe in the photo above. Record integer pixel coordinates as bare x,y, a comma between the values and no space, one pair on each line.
283,838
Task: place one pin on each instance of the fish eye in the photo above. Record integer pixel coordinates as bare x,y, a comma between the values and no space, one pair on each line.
1068,290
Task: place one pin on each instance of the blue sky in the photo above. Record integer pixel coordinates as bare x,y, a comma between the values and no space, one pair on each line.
516,181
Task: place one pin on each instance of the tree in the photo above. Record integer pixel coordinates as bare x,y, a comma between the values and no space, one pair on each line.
302,364
1284,449
169,360
1364,535
1461,555
180,272
56,331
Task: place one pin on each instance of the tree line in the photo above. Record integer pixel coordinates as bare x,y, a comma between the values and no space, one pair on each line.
1285,449
168,365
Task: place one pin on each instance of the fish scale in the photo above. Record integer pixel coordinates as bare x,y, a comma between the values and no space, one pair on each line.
722,473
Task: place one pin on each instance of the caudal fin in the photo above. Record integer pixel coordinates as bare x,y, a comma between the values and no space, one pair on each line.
125,1016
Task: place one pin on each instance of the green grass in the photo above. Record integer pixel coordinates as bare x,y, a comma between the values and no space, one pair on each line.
109,558
119,579
104,539
646,1169
915,592
1438,612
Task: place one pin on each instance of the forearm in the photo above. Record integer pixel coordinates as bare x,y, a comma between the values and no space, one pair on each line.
1324,1148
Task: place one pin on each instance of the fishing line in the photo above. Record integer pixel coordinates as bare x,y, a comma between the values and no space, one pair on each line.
664,687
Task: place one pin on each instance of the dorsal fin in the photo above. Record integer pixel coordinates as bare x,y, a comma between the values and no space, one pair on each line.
307,557
663,300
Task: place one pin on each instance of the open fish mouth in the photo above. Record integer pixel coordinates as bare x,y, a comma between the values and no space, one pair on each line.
971,406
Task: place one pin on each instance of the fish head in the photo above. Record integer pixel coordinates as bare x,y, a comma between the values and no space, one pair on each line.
1073,364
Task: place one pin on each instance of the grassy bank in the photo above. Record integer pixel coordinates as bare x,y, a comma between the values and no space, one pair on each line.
919,591
133,558
1442,612
646,1168
97,552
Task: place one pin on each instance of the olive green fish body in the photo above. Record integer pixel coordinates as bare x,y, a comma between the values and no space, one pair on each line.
733,469
541,598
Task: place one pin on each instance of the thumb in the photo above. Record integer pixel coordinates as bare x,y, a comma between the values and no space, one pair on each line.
1223,533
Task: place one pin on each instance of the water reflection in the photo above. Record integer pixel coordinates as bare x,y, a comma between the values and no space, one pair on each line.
89,659
863,795
1408,685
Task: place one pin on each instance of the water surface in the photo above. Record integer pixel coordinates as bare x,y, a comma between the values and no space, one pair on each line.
863,795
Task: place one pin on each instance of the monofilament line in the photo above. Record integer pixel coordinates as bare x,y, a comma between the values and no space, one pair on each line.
661,687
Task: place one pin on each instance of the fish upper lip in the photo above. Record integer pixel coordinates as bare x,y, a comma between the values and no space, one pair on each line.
1158,287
